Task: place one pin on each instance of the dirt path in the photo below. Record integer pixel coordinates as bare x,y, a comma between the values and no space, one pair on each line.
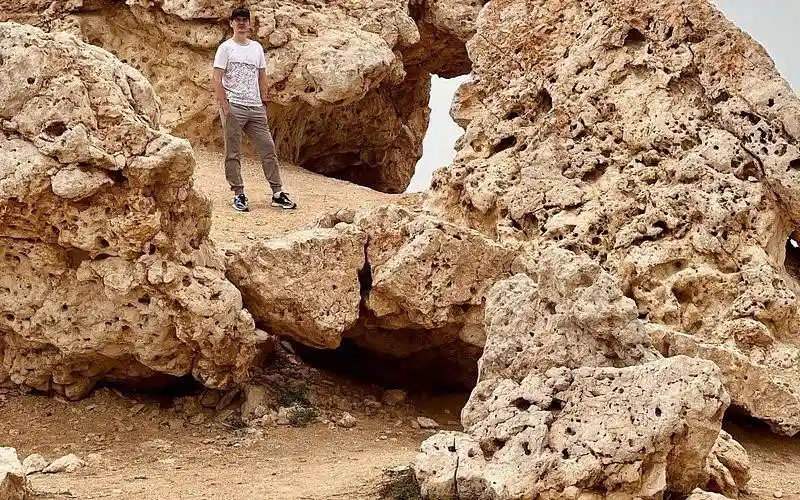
142,453
315,195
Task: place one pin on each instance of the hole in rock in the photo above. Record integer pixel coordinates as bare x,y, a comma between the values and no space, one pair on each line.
634,38
792,260
505,143
451,368
159,388
55,129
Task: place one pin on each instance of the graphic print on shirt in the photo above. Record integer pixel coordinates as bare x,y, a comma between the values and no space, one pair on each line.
241,83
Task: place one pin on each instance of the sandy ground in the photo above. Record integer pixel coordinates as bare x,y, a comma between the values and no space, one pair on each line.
315,195
138,455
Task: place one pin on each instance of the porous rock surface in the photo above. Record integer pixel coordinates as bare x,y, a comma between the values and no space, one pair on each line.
107,269
573,399
333,68
391,280
658,139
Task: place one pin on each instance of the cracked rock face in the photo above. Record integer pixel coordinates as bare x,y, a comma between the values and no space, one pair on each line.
333,68
572,398
107,269
392,281
658,139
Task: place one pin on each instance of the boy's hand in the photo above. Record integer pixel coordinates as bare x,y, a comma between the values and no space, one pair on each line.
226,108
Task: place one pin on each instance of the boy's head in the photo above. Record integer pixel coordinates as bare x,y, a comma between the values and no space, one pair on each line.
240,20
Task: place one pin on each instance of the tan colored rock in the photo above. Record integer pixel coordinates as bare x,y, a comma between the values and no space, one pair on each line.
13,483
572,394
108,271
562,429
34,463
660,140
67,463
727,466
304,285
333,69
421,280
699,494
256,402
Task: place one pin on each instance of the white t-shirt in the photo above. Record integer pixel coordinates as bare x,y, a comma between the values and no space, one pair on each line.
241,64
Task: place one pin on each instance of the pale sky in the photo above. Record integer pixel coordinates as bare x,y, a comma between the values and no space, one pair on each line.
772,23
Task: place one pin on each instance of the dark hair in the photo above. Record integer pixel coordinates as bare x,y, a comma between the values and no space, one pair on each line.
240,12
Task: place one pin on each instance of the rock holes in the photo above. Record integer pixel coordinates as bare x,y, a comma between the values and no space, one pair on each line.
634,38
794,165
31,80
545,100
522,404
55,129
526,448
792,260
505,143
658,411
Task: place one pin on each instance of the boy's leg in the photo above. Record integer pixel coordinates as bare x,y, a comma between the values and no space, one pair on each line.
257,129
232,136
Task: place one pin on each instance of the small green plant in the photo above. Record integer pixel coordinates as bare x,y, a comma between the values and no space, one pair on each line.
399,484
293,394
301,416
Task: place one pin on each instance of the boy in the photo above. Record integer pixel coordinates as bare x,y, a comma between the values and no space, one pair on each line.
240,78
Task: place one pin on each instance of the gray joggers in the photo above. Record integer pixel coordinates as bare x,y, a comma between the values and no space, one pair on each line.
253,122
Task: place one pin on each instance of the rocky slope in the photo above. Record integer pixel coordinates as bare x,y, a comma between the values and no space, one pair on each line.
108,271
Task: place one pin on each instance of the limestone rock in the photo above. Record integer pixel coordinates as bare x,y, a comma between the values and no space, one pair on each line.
566,361
13,483
67,463
122,283
332,68
256,402
727,466
561,429
427,423
304,285
699,494
75,184
347,421
394,397
34,463
393,281
660,140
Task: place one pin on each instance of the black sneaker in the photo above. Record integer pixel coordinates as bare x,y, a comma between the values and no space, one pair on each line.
283,201
240,203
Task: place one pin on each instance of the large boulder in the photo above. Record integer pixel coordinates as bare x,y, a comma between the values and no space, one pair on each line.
108,271
658,139
573,398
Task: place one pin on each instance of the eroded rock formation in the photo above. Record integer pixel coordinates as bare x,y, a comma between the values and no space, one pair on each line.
392,281
107,269
573,399
658,139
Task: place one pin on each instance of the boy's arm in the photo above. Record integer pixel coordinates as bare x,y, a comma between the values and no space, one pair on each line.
262,85
219,91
